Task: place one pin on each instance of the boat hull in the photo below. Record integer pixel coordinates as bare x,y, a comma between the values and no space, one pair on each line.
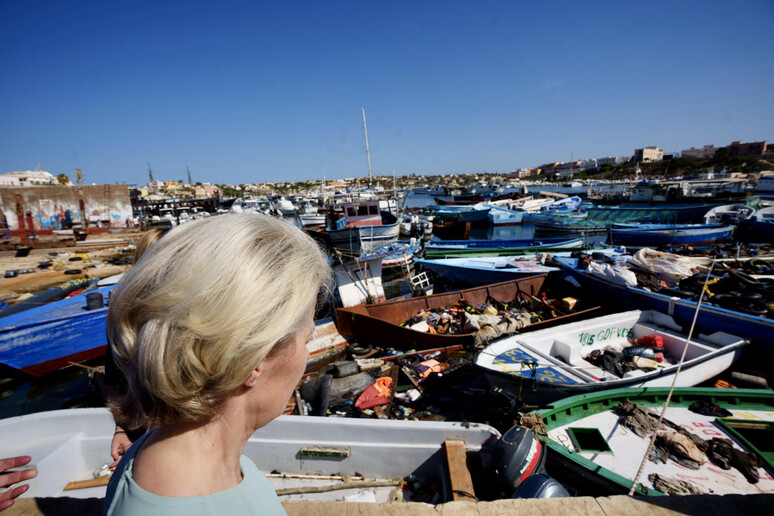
594,474
47,338
560,370
67,445
676,235
380,323
709,318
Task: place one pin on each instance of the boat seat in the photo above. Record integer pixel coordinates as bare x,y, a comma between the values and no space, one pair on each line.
568,352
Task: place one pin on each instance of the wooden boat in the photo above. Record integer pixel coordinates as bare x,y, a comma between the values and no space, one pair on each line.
311,458
474,214
588,444
493,269
729,214
459,248
710,318
554,360
658,213
363,228
49,296
569,224
504,217
485,270
762,225
381,323
451,228
669,234
49,337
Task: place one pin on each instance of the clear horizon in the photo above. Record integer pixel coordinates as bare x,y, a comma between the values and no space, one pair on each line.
244,92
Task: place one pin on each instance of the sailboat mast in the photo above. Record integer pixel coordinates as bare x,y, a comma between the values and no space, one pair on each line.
368,152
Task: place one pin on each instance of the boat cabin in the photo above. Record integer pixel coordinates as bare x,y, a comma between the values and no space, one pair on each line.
360,214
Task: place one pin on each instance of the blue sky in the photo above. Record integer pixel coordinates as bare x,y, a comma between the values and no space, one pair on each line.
245,91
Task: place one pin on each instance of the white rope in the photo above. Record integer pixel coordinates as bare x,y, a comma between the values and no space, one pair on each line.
636,478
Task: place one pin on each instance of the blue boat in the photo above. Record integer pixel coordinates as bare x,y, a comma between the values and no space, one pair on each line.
494,269
655,214
504,217
710,318
475,213
486,270
669,234
444,245
47,338
459,248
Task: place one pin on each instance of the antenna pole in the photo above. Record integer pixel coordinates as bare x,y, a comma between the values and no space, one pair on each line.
368,152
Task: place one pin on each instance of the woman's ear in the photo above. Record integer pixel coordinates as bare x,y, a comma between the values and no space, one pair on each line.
253,378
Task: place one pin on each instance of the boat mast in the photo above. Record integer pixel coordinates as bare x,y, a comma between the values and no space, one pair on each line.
368,152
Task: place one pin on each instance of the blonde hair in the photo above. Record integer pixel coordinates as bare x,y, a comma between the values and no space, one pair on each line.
202,309
148,239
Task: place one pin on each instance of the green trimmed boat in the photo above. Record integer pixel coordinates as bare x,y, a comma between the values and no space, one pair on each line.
591,447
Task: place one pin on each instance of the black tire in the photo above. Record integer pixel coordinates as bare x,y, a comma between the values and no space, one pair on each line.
743,278
407,361
360,349
73,271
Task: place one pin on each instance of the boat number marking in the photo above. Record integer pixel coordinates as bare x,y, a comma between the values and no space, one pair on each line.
588,339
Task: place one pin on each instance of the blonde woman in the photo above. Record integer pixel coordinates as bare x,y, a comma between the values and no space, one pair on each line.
210,331
122,440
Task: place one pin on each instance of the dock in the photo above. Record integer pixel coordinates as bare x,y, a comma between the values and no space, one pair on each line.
703,505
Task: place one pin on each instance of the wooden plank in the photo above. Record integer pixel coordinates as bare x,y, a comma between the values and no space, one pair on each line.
459,476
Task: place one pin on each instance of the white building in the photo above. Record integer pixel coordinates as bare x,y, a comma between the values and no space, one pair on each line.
9,180
27,178
652,153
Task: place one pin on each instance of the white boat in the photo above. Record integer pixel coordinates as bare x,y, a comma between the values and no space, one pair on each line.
416,225
362,460
504,217
568,359
363,228
731,214
285,207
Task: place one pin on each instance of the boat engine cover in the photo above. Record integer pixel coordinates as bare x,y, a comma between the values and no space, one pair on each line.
517,455
541,485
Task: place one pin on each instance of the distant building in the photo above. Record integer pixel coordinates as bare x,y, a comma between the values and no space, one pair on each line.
9,180
747,149
520,173
645,154
610,160
588,164
28,178
692,153
708,151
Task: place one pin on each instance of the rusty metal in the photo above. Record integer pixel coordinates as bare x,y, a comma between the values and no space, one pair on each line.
380,323
20,216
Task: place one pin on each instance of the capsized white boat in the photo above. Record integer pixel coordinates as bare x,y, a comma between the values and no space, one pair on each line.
591,355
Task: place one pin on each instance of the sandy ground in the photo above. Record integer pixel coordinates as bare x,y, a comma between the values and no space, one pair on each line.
97,251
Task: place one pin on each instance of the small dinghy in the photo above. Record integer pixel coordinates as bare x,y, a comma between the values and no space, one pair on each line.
629,349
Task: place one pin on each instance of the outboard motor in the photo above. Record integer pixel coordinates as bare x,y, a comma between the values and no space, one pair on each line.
541,485
518,457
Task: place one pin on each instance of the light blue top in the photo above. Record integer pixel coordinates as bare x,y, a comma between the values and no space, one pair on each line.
253,495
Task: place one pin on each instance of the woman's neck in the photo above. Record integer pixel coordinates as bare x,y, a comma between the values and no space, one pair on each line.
193,460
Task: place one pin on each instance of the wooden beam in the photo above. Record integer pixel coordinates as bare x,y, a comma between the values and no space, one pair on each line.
459,476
